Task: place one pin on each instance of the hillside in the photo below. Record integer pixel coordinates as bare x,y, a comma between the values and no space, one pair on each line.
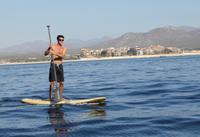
36,48
181,37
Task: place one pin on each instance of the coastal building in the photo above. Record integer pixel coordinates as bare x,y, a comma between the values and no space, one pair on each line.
174,50
124,51
132,51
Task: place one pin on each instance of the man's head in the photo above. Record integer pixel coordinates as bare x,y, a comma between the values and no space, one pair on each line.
60,38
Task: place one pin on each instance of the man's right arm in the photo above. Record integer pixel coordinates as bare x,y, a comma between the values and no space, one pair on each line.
47,51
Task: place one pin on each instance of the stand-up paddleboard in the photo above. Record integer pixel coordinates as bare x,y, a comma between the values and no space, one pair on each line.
65,101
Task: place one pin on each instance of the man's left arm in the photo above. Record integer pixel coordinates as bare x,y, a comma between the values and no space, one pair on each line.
64,52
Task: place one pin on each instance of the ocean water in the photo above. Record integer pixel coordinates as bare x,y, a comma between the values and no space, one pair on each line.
147,97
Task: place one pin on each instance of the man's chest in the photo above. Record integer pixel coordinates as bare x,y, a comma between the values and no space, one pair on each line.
58,49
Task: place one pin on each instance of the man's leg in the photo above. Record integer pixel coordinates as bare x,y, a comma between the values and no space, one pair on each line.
51,87
61,89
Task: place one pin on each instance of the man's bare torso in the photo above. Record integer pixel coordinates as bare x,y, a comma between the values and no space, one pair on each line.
60,50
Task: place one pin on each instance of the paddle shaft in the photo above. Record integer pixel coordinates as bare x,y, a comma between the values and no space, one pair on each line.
56,94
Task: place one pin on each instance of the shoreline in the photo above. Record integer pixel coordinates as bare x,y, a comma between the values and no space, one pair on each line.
140,56
104,58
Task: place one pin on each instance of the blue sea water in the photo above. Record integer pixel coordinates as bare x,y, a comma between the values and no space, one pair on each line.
146,97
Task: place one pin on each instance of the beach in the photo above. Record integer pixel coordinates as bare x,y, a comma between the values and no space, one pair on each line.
140,56
105,58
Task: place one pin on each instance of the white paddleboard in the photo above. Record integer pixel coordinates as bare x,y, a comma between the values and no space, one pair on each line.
65,101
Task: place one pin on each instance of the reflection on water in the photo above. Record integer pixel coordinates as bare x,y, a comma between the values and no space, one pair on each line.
95,113
63,126
98,110
57,119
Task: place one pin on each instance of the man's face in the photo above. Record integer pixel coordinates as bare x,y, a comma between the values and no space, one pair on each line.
60,40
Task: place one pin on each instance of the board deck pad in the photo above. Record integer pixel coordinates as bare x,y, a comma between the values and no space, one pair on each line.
65,101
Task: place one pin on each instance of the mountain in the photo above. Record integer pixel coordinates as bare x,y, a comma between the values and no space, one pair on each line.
27,48
36,48
181,37
74,45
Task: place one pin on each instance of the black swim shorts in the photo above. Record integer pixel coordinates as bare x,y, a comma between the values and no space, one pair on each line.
59,73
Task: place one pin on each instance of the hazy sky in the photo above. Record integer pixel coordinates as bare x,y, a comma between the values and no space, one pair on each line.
26,20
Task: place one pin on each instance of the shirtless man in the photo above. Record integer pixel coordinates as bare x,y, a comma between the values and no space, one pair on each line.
57,51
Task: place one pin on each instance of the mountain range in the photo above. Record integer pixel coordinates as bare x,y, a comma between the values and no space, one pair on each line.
37,48
181,37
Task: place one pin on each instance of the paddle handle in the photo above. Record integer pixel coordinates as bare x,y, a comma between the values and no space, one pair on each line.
49,33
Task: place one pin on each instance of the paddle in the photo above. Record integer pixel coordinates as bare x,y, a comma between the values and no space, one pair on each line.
56,93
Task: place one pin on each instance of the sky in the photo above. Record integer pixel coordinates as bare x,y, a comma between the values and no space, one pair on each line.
25,20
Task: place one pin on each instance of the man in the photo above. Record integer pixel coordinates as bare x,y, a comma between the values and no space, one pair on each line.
57,52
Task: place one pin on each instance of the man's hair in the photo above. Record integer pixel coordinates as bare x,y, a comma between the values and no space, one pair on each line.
60,36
